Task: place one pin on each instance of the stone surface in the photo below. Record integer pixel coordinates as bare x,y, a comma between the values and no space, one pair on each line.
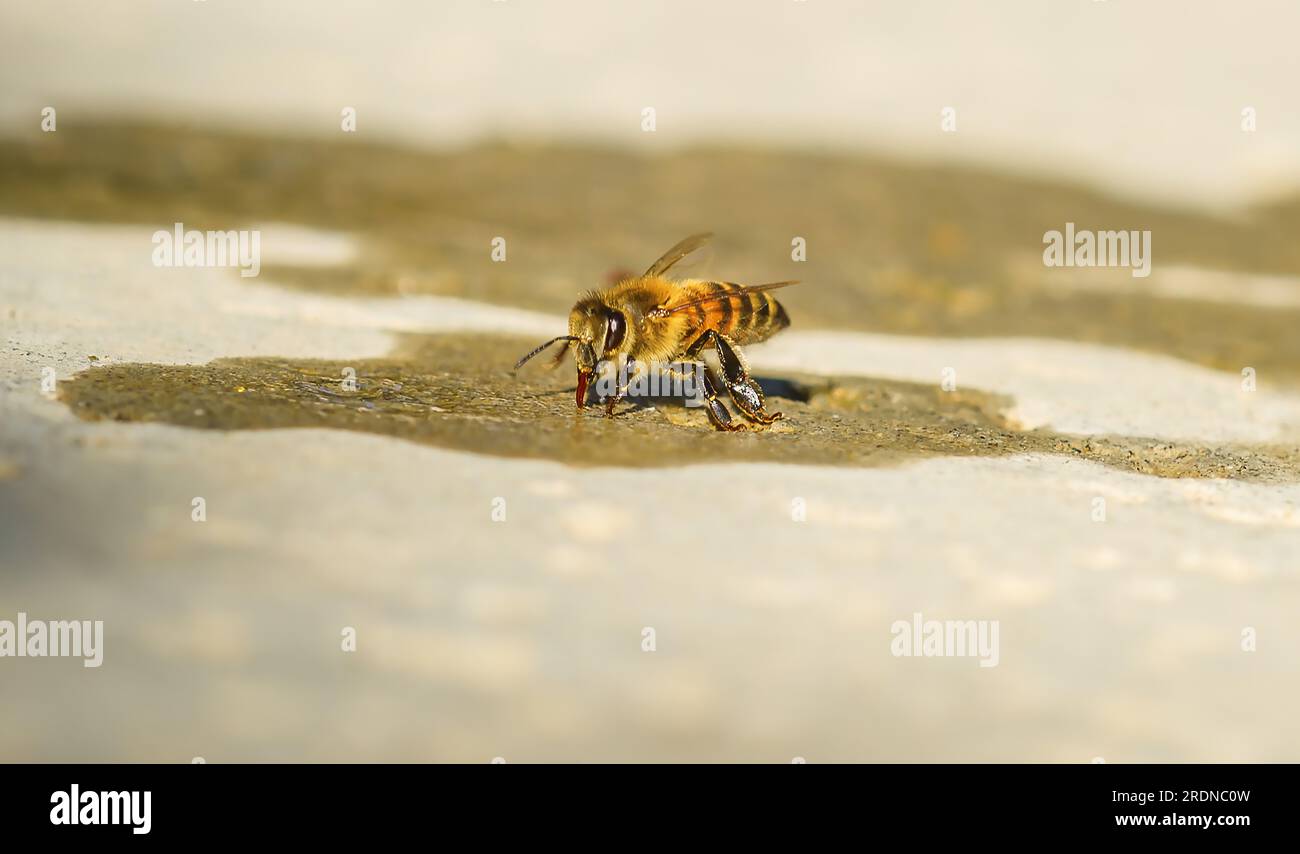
771,568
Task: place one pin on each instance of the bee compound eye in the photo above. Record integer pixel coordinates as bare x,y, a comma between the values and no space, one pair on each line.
615,327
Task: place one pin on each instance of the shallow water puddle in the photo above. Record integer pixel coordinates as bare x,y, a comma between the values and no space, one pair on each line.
456,391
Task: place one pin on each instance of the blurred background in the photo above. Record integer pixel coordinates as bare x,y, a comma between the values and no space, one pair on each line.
921,151
1141,99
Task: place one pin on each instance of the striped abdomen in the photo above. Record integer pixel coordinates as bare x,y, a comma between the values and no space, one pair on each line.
746,318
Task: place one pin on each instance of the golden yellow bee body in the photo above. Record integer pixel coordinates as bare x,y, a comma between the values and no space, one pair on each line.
666,316
656,320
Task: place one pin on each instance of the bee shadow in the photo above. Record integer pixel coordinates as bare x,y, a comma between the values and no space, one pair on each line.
773,387
786,389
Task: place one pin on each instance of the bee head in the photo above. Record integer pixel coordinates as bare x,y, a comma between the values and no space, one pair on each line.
599,332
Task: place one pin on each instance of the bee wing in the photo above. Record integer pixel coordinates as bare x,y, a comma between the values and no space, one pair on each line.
719,297
678,252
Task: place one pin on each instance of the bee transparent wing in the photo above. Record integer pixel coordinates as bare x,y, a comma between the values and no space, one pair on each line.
723,295
678,252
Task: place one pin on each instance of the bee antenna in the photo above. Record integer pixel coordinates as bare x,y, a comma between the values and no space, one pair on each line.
542,347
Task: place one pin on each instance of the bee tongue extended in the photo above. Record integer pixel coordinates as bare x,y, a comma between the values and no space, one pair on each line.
583,378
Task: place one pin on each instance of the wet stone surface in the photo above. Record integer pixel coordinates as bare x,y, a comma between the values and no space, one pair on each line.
457,391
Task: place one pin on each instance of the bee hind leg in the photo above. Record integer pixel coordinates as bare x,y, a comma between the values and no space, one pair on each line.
744,391
718,413
706,392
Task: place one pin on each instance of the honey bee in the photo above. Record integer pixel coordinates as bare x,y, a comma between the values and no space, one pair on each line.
654,319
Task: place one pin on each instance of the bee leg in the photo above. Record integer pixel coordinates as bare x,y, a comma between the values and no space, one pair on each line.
611,402
708,389
718,413
745,393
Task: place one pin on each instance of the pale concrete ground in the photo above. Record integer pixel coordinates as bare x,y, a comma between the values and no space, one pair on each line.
522,639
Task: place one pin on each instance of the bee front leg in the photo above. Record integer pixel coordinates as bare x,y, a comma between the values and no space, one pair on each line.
621,393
